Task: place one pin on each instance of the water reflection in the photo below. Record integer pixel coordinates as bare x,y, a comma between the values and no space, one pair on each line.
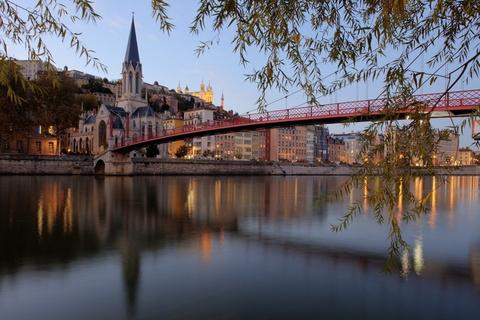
52,222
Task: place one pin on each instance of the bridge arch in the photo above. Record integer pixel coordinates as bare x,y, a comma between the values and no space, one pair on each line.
99,168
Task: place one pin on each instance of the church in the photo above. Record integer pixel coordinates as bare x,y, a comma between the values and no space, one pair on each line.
131,119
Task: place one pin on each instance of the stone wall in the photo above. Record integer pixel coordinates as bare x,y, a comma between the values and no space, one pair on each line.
146,166
48,165
84,165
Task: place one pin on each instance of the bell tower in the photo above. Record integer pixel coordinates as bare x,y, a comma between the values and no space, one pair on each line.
132,76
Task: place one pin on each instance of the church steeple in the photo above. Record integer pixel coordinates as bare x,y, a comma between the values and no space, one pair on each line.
131,55
132,75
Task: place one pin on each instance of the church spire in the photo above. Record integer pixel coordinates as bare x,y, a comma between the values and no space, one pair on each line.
131,55
132,82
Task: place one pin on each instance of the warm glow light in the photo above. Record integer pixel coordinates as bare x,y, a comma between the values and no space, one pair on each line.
418,260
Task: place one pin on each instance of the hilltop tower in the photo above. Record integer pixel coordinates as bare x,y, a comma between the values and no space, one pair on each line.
132,76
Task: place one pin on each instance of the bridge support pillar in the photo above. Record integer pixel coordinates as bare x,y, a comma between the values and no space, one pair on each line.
113,163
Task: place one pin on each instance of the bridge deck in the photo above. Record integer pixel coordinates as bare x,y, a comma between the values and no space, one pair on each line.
458,103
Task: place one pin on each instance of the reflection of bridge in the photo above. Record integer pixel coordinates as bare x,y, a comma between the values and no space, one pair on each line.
458,103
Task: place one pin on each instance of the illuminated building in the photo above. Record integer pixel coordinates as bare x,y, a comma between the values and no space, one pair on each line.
290,144
249,145
466,157
205,93
172,124
336,150
353,146
447,150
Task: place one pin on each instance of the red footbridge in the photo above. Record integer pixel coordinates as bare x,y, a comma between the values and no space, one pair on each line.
456,103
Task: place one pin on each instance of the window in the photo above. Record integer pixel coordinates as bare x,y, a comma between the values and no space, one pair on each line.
38,146
136,83
102,134
130,79
19,145
50,147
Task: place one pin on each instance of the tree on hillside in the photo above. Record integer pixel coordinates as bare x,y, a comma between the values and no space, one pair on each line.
87,102
181,152
16,114
152,151
57,106
96,86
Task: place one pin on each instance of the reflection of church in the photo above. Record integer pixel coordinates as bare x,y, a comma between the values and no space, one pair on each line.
131,119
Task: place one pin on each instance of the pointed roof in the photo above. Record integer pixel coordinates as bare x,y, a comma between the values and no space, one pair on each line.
131,55
145,111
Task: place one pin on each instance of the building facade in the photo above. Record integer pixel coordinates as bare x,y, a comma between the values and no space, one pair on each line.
30,69
336,150
205,93
447,150
466,157
320,148
289,144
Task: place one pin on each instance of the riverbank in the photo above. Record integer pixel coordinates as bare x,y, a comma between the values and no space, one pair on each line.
45,165
84,165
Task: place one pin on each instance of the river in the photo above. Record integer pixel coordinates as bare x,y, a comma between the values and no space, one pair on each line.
231,248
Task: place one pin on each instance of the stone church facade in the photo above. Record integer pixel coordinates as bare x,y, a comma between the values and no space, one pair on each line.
129,120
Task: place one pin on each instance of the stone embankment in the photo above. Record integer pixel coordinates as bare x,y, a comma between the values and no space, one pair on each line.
84,165
46,165
146,166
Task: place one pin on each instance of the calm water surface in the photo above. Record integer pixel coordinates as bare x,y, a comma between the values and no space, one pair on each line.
230,248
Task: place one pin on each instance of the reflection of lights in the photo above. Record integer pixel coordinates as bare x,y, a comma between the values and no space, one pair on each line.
68,213
40,218
405,263
418,188
206,246
365,194
191,197
400,195
452,199
418,262
432,221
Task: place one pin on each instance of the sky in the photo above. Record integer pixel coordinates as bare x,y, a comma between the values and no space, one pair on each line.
171,59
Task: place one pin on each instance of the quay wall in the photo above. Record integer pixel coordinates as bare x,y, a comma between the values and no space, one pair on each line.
45,165
145,166
84,165
149,166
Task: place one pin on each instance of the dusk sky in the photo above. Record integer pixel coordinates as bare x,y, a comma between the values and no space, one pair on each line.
170,59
